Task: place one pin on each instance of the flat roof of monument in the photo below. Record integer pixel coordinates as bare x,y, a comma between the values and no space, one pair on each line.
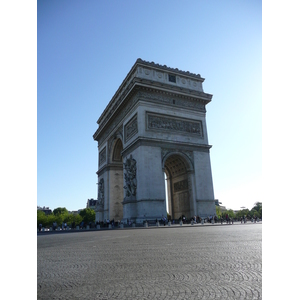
166,68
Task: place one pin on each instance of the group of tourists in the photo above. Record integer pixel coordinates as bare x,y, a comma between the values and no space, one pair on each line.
63,226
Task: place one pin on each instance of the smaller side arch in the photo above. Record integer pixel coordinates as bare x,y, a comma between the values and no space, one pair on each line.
115,148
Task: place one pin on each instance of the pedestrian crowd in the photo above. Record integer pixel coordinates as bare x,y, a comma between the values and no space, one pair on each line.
162,221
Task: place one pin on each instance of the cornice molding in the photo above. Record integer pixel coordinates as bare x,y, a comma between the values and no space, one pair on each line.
170,145
107,167
166,68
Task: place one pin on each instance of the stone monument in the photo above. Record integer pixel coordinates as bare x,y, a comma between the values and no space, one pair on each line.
153,135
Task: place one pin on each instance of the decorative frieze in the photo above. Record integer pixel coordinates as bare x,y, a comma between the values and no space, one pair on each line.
166,98
180,185
131,128
178,125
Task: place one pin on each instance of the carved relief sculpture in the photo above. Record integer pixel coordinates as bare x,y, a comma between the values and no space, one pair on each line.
130,176
100,201
131,128
178,125
180,186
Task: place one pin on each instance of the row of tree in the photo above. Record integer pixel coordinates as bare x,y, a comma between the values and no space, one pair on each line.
61,216
256,211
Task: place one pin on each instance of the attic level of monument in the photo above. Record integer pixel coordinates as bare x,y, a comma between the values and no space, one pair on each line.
184,87
152,136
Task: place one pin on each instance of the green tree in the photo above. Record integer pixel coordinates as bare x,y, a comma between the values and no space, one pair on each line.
67,218
61,215
257,205
77,219
218,212
241,213
41,218
228,212
88,215
60,210
50,220
256,211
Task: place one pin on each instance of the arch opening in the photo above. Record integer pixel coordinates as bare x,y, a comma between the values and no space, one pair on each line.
116,193
118,148
177,186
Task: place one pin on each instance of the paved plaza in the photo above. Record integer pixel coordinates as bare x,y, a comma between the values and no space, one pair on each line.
177,262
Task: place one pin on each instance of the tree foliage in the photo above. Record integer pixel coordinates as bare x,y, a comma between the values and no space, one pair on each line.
218,212
60,211
256,211
88,215
41,217
60,215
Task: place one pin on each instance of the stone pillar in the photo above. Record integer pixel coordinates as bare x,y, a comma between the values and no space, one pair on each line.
148,202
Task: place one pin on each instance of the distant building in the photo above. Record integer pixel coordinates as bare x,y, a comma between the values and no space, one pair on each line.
91,203
46,210
222,208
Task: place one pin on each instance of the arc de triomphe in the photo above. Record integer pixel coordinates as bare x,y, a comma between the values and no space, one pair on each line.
153,132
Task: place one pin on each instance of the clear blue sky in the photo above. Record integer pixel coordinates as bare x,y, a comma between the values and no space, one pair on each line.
86,48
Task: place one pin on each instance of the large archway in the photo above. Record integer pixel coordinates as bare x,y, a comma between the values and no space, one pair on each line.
116,193
178,185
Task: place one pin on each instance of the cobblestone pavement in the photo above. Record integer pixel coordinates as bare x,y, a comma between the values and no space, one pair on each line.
188,262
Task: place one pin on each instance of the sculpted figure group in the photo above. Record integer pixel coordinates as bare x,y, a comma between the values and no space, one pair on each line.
100,201
130,176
